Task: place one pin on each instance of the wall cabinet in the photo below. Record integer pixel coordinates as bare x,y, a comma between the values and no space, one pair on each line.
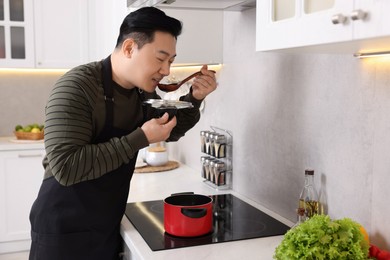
333,25
16,33
21,174
61,33
105,19
58,34
81,32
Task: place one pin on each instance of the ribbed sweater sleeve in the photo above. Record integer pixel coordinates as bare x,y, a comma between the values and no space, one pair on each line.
70,127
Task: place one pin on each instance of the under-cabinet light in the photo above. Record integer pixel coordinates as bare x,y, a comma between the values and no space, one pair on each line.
32,70
372,54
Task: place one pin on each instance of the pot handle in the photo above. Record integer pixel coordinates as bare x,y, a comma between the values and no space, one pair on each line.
183,193
194,213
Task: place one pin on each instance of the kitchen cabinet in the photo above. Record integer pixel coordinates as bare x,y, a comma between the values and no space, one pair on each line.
332,25
201,39
376,23
81,32
61,33
16,33
21,174
105,19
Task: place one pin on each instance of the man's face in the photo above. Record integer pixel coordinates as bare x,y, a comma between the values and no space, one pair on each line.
152,62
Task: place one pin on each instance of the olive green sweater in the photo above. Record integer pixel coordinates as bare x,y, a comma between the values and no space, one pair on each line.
75,115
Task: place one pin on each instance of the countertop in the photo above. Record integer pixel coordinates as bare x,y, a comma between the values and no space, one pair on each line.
159,185
10,143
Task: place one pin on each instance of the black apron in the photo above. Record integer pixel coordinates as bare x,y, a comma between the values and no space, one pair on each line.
82,221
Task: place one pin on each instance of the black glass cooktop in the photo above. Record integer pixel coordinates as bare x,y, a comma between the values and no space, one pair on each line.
233,219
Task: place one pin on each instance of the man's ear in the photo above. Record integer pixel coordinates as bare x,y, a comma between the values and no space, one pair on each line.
128,47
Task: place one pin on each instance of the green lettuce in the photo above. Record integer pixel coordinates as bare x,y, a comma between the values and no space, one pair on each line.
323,238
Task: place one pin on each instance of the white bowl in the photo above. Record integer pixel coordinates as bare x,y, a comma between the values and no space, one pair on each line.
156,158
142,154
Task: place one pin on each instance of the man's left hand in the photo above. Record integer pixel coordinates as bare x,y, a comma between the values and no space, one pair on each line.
204,84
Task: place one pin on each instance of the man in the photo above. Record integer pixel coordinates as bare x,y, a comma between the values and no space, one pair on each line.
95,125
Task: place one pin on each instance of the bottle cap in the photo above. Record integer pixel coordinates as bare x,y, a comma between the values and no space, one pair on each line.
309,172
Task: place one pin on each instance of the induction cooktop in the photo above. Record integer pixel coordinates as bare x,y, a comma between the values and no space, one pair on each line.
233,219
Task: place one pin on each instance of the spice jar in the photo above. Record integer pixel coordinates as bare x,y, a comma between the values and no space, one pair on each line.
203,164
212,137
220,146
219,173
203,141
207,142
207,168
212,170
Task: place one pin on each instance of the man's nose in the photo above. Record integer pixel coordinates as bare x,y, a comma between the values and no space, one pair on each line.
165,69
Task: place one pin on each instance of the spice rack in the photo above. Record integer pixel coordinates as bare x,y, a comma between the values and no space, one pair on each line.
217,158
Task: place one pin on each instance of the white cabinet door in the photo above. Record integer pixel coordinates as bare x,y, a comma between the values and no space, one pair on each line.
338,27
21,174
105,19
16,34
61,33
377,20
201,38
304,25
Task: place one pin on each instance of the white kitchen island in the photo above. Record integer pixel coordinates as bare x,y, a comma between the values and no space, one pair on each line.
157,186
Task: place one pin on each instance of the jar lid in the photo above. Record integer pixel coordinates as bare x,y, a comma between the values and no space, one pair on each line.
203,132
220,164
220,137
209,134
212,135
309,172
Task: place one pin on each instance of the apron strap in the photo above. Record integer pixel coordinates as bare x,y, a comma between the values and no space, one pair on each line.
109,95
108,92
141,95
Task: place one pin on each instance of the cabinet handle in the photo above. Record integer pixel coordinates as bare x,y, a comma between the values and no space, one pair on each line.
29,155
358,15
338,19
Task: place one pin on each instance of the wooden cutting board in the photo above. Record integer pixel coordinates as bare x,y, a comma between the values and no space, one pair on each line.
170,165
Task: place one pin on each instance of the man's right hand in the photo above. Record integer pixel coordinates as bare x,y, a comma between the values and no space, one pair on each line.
158,129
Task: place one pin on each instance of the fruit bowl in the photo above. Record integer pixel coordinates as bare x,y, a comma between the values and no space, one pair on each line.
28,135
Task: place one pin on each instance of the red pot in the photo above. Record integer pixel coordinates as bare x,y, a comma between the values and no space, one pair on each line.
188,215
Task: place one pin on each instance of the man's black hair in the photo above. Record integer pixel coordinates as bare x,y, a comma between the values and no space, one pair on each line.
144,22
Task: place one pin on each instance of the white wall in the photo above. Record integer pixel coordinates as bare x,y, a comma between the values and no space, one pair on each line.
289,112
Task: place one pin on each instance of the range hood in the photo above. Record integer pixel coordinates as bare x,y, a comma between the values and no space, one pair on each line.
226,5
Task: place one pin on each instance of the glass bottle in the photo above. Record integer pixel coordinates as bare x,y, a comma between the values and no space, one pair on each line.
300,216
308,200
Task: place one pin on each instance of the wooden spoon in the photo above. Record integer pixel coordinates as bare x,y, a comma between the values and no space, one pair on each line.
175,86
